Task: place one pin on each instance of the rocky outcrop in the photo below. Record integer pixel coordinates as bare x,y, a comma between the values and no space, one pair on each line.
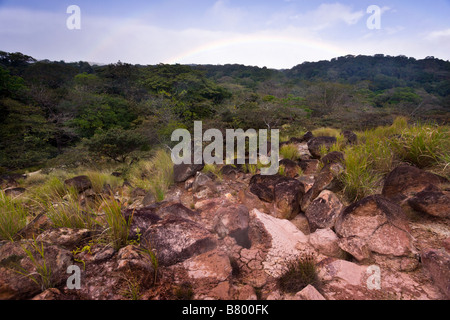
379,223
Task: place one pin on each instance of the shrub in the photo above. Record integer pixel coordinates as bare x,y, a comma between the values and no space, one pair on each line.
289,151
68,212
117,227
326,132
299,274
13,216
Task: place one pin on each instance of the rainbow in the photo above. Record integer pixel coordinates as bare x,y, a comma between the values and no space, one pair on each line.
331,50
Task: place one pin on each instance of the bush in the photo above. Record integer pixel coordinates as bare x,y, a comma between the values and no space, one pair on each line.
289,151
326,132
299,274
116,144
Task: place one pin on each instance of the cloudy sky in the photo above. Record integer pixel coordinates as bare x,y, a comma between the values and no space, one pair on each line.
275,33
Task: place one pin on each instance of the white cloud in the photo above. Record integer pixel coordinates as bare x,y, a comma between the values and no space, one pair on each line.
439,35
328,15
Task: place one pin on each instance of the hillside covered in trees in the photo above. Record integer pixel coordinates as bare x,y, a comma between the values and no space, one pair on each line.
54,113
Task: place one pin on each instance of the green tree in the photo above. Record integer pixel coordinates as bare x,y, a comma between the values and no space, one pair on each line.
116,144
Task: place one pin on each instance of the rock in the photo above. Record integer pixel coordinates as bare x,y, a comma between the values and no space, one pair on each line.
285,192
138,192
446,244
13,285
325,241
380,223
262,192
434,203
201,181
116,174
176,239
182,172
356,247
291,168
350,137
214,265
301,222
323,211
315,144
288,196
80,183
233,221
309,166
149,199
326,179
333,157
141,220
307,181
33,228
229,170
405,181
309,293
284,241
247,293
14,192
65,237
49,295
437,264
349,272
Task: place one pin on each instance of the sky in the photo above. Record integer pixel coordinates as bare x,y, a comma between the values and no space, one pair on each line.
276,34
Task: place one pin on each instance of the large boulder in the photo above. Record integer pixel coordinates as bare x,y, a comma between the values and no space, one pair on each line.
176,239
323,211
65,237
291,168
309,166
80,183
405,181
333,157
378,222
315,144
281,241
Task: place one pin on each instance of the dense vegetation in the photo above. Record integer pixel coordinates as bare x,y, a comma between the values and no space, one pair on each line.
57,113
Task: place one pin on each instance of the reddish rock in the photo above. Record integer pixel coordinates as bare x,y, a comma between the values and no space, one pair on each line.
309,166
434,203
325,241
356,247
176,239
380,223
233,221
437,264
405,181
291,168
309,293
182,172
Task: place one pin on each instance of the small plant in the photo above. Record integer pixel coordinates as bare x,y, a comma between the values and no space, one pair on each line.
299,274
133,290
282,170
43,273
289,151
300,172
13,216
117,227
213,169
150,254
184,291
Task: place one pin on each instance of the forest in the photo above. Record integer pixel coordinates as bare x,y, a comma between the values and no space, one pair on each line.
56,113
